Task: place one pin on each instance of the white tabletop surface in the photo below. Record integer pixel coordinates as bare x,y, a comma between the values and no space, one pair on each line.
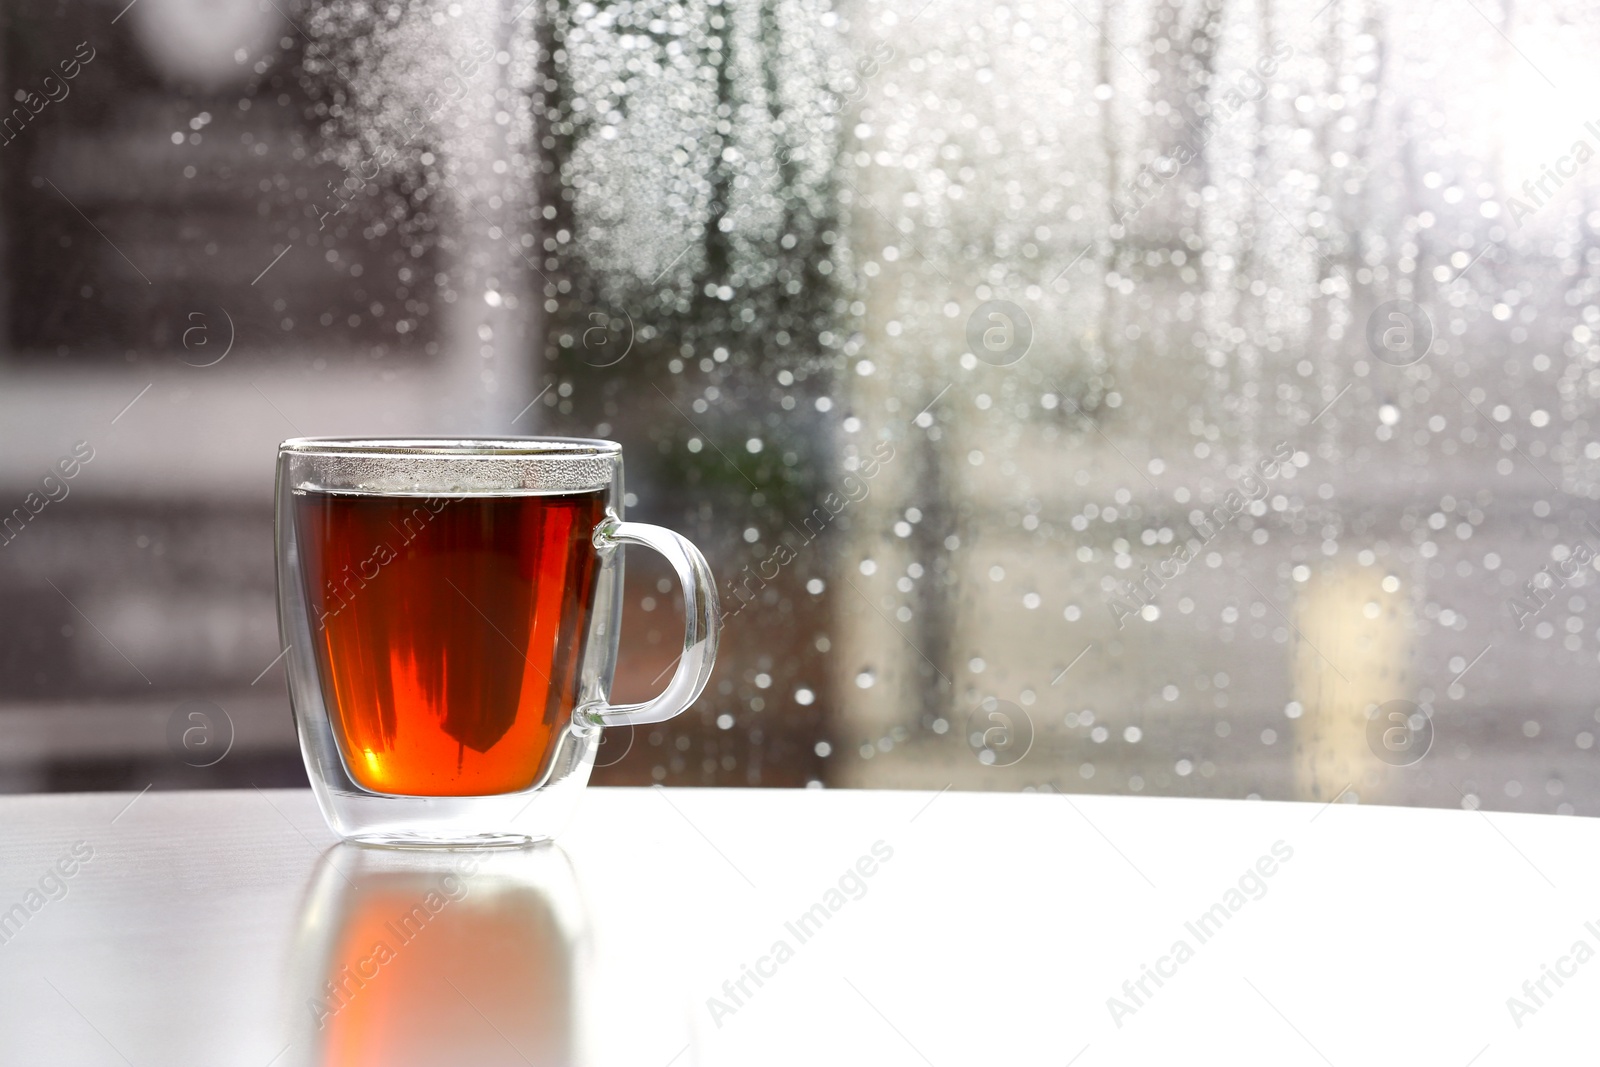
996,931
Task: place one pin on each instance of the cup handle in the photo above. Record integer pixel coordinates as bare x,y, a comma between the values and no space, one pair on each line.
701,623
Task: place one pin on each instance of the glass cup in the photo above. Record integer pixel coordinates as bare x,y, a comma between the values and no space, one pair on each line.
451,611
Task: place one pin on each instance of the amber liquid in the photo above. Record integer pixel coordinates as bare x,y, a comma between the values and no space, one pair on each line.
449,632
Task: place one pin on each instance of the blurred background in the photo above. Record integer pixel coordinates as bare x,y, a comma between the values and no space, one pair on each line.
1183,397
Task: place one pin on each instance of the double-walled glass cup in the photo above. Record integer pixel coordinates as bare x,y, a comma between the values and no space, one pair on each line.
451,611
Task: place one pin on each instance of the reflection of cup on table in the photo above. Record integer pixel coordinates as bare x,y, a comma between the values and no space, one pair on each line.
438,957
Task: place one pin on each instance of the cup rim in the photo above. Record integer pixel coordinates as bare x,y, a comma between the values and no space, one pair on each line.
447,447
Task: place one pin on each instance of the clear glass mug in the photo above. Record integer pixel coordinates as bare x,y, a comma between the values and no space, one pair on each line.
451,612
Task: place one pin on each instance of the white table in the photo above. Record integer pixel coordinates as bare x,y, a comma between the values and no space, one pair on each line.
203,924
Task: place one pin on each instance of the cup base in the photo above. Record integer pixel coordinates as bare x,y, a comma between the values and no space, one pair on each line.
511,820
443,841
